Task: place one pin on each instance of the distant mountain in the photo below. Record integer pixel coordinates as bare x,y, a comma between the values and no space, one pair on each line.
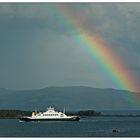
72,98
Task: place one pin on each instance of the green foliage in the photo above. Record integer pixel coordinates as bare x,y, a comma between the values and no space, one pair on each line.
85,113
13,113
18,113
89,113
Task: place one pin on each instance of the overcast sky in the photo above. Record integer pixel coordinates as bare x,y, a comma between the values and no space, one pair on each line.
38,50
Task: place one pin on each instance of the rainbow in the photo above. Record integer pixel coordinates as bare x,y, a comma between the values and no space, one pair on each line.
101,52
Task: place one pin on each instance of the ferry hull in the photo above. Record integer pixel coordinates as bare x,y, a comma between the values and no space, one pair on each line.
50,119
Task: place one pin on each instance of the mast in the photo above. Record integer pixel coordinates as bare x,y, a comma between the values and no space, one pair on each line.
64,110
35,109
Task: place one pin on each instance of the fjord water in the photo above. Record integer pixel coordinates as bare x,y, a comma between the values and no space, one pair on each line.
86,127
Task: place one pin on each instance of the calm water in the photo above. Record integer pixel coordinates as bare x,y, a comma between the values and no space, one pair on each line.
86,127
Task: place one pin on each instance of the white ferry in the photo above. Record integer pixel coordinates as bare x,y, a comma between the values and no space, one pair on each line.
50,115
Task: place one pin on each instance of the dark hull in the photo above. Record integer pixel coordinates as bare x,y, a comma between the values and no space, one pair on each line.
38,120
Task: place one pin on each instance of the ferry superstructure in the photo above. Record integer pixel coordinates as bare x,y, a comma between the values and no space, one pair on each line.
49,115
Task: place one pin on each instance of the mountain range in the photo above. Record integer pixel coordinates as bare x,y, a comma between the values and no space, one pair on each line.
72,98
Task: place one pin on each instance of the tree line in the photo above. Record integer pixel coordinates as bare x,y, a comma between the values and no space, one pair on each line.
9,114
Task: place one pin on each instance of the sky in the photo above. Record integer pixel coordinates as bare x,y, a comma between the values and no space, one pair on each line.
38,49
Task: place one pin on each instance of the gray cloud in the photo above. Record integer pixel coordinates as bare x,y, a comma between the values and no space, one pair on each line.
38,48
